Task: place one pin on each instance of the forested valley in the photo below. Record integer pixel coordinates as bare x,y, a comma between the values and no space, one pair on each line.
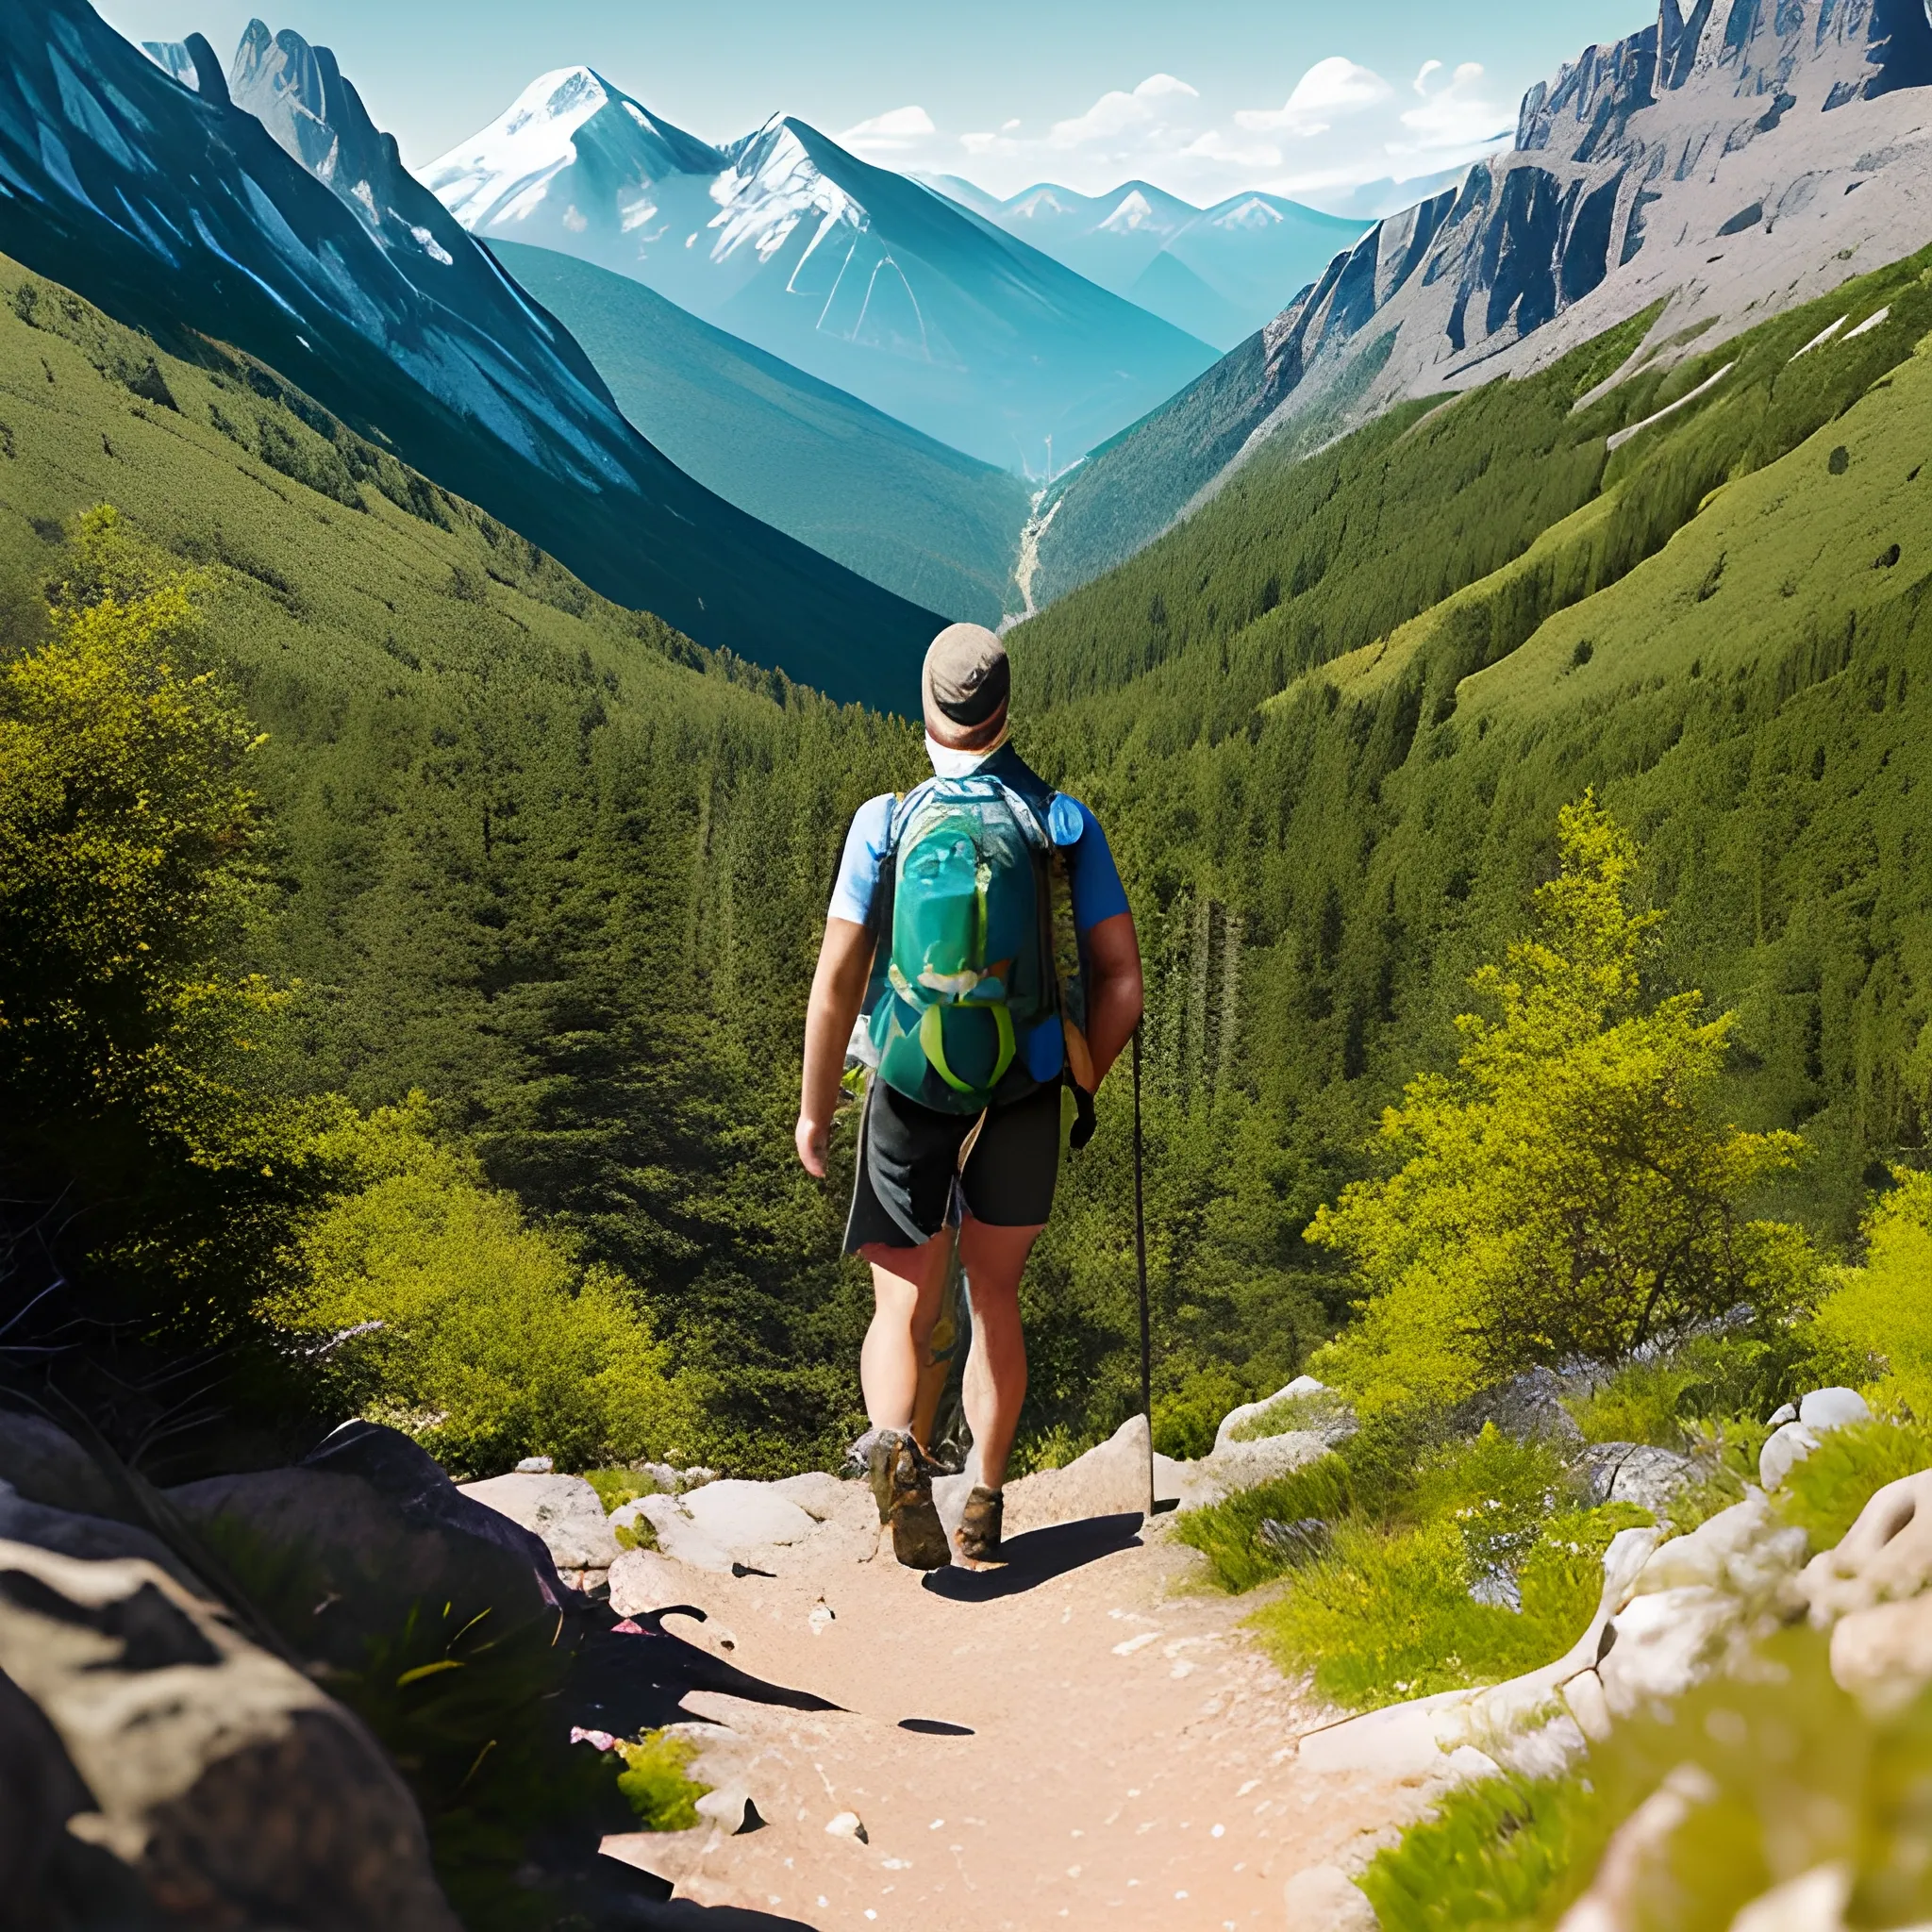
513,894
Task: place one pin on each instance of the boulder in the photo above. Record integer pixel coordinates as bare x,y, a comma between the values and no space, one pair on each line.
1323,1898
1237,1466
1666,1642
1743,1551
679,1535
1885,1557
1799,1430
1636,1473
405,1475
746,1516
1884,1655
817,1493
1109,1480
45,1464
334,1564
217,1779
77,1535
643,1580
1833,1408
1789,1443
564,1510
1238,1418
1529,1408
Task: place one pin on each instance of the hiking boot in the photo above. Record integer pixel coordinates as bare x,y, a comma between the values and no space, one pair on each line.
979,1530
876,1451
918,1538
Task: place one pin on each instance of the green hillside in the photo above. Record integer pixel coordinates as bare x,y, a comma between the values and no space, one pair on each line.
1331,719
913,514
535,855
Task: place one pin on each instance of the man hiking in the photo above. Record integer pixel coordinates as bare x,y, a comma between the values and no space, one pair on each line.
980,933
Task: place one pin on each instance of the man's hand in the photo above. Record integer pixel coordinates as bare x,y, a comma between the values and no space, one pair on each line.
810,1138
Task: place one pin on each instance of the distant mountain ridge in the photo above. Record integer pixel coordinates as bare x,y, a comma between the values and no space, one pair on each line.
913,514
1722,163
858,276
176,210
1219,272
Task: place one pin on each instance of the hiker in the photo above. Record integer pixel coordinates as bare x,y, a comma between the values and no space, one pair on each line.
980,937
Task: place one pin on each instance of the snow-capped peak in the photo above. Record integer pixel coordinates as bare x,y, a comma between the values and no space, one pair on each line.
1253,213
1135,211
1043,201
774,185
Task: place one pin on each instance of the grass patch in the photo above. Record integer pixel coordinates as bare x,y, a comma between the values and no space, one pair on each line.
1229,1533
655,1781
1825,1492
617,1486
1495,1854
1388,1615
1289,1413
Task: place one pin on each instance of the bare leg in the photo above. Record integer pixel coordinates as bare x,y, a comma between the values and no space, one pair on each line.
996,1368
905,1285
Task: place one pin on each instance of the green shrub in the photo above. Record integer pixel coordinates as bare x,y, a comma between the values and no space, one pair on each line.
1185,1423
1711,1378
1825,1492
451,1317
654,1783
1493,1854
617,1486
1228,1533
1875,1326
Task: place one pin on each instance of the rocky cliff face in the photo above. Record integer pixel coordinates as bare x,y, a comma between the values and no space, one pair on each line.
1731,158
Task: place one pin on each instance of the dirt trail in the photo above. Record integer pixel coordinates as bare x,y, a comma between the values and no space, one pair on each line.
1124,1757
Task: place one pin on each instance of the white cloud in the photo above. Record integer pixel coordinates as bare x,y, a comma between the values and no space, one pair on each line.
1330,89
1341,124
1459,114
902,130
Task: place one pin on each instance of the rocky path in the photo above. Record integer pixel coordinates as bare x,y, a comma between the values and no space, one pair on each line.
1087,1738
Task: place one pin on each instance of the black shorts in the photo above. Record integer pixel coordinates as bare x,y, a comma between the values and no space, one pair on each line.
908,1153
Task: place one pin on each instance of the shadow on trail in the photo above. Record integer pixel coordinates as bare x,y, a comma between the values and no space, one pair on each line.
1038,1556
634,1677
627,1898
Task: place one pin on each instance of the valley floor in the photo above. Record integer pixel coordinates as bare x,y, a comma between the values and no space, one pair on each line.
1129,1756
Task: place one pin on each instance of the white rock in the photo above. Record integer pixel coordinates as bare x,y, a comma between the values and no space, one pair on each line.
1667,1641
1784,1447
645,1580
739,1515
1779,1417
535,1465
562,1509
726,1806
846,1825
1584,1694
681,1537
1109,1480
1235,1418
1322,1898
817,1493
1467,1762
1743,1550
1885,1557
1814,1902
1833,1408
1400,1741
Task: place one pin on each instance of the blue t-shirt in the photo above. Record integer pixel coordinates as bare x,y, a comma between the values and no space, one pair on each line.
1097,892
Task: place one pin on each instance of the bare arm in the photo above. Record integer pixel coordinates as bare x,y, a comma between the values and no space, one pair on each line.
837,992
1114,992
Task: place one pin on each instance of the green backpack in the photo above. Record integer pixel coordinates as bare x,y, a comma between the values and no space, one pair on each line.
965,1007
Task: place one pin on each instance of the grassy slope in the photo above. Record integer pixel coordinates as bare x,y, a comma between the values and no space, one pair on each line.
1751,699
543,858
911,515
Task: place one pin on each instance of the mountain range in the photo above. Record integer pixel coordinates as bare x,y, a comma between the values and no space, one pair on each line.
858,276
911,513
1719,164
305,242
1219,272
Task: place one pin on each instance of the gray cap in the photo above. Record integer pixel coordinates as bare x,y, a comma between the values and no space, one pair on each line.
967,676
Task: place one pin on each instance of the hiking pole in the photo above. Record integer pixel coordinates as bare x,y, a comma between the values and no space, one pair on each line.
1140,1265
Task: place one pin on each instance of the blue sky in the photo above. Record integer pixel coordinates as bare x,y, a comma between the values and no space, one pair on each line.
1202,98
